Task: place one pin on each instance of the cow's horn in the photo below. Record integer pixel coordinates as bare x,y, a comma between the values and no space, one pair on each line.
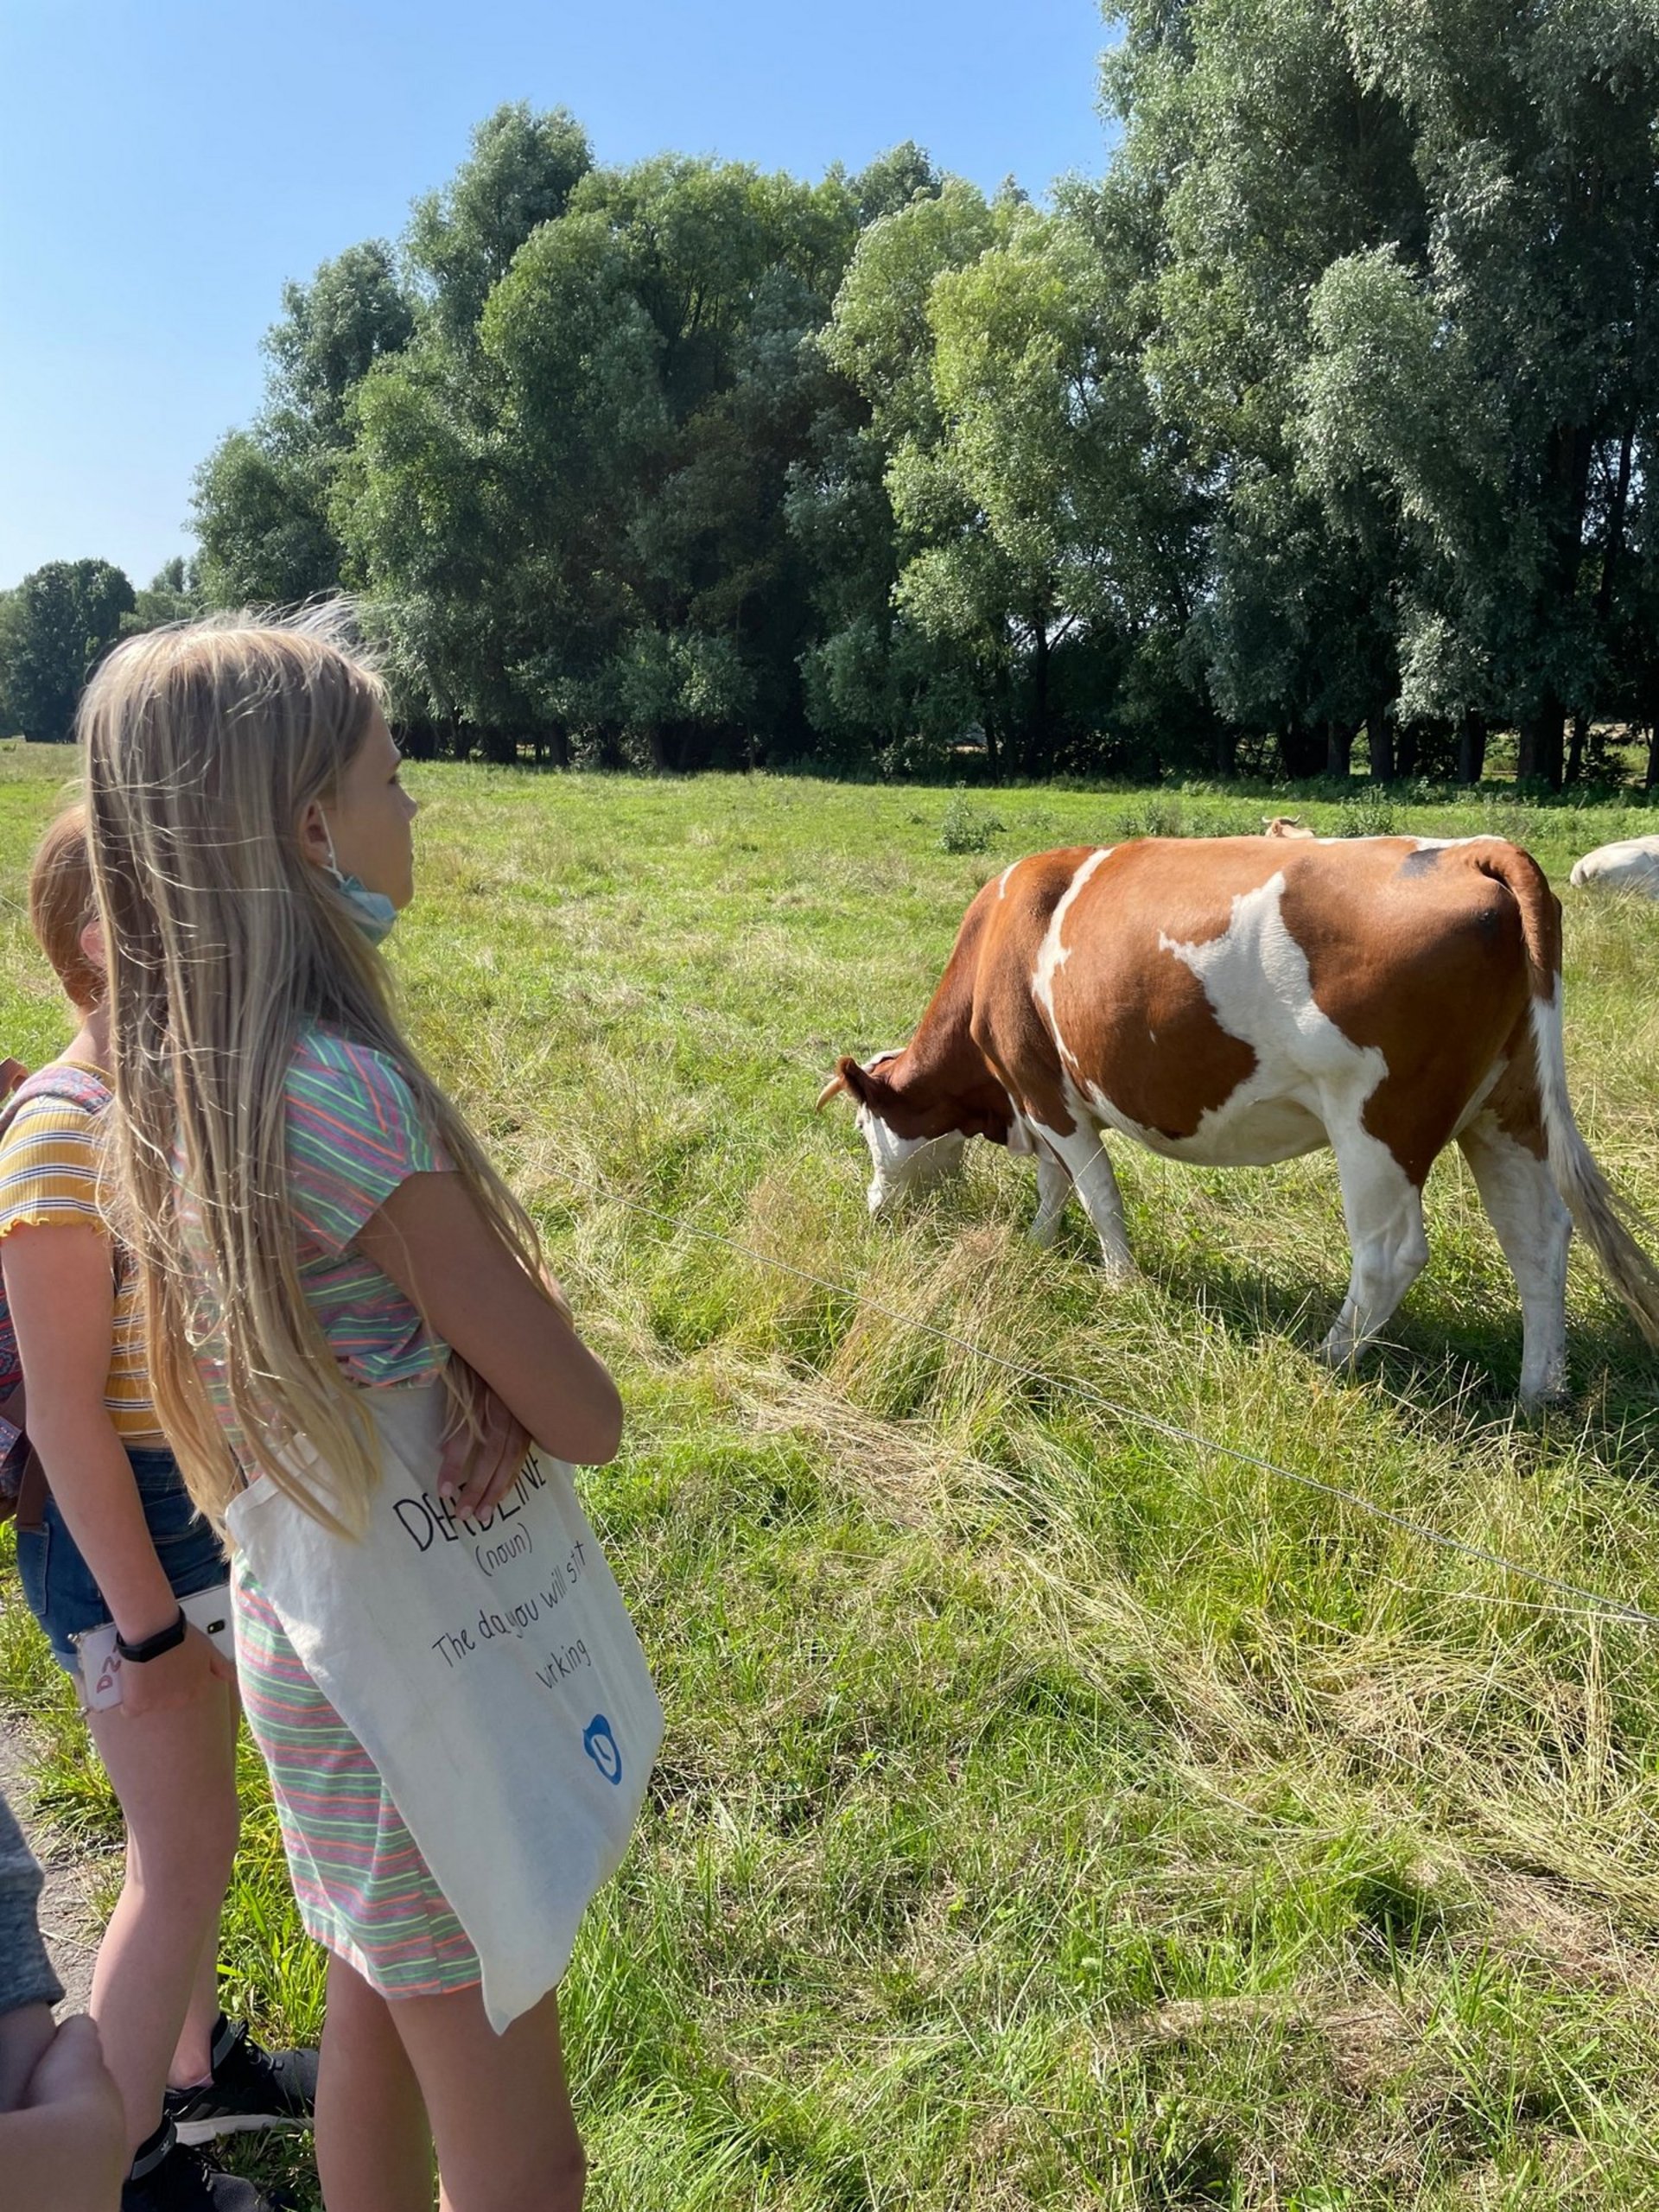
837,1082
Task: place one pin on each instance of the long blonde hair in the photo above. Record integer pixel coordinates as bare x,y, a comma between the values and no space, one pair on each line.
205,743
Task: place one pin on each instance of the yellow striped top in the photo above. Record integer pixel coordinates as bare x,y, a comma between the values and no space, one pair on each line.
48,1175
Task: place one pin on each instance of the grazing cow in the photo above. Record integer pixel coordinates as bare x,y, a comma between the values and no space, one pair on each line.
1284,825
1235,1000
1632,864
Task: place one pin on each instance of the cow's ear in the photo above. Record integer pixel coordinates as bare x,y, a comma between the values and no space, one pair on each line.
849,1077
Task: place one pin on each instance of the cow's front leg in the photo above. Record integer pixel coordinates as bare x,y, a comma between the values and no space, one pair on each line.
1383,1209
1053,1189
1084,1167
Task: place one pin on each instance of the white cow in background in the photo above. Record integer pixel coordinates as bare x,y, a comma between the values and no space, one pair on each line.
1632,864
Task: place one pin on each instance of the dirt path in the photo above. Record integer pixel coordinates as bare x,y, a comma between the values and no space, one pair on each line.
67,1920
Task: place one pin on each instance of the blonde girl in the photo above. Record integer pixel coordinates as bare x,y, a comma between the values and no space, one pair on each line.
119,1539
313,1223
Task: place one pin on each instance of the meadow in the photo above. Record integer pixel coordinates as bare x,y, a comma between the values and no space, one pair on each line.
1053,1812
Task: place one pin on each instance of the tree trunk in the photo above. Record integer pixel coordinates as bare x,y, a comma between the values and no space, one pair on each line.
993,756
1405,759
1538,750
1574,771
1615,545
1379,738
1567,454
1472,749
1301,750
1338,748
1037,740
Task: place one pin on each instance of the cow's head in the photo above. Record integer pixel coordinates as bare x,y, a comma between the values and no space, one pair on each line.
914,1143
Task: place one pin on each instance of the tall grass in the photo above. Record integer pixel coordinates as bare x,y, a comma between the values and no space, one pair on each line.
1051,1812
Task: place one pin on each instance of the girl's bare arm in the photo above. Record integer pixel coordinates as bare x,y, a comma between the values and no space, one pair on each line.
61,1295
431,1239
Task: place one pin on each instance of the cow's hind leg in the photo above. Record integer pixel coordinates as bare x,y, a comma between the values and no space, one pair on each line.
1383,1209
1083,1166
1535,1230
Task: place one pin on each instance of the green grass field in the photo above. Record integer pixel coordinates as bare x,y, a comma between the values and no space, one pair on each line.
1051,1813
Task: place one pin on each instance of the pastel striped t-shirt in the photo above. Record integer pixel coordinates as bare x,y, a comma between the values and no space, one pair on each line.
49,1178
353,1136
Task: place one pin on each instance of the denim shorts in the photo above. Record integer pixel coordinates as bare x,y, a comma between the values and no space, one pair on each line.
58,1585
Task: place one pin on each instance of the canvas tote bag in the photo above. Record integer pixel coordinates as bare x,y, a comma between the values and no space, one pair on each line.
489,1669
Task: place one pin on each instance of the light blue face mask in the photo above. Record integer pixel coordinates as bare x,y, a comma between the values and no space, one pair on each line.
372,911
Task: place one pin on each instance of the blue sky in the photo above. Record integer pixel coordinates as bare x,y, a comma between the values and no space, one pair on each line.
165,165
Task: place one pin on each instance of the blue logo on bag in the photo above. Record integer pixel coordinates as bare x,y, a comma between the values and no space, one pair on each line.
603,1748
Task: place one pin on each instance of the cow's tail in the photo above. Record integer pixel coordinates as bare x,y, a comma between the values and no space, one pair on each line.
1599,1215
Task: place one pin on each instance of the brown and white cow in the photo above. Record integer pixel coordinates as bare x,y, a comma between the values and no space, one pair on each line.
1235,1001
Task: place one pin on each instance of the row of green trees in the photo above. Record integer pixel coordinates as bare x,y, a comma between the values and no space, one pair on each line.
1329,413
61,620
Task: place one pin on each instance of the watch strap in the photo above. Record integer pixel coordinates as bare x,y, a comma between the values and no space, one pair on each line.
151,1647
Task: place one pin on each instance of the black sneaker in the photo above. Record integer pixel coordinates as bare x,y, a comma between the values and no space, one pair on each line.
168,2176
249,2089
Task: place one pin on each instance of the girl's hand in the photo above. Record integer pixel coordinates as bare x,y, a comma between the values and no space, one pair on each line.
481,1457
483,1454
178,1678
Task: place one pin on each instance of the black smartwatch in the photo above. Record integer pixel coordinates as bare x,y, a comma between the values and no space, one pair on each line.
151,1647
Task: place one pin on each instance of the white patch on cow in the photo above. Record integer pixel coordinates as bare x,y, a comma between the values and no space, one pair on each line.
1052,954
905,1163
1308,1087
1003,880
1257,980
1244,1132
1308,1080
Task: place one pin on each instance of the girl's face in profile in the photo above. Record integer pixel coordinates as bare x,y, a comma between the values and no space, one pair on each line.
369,819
